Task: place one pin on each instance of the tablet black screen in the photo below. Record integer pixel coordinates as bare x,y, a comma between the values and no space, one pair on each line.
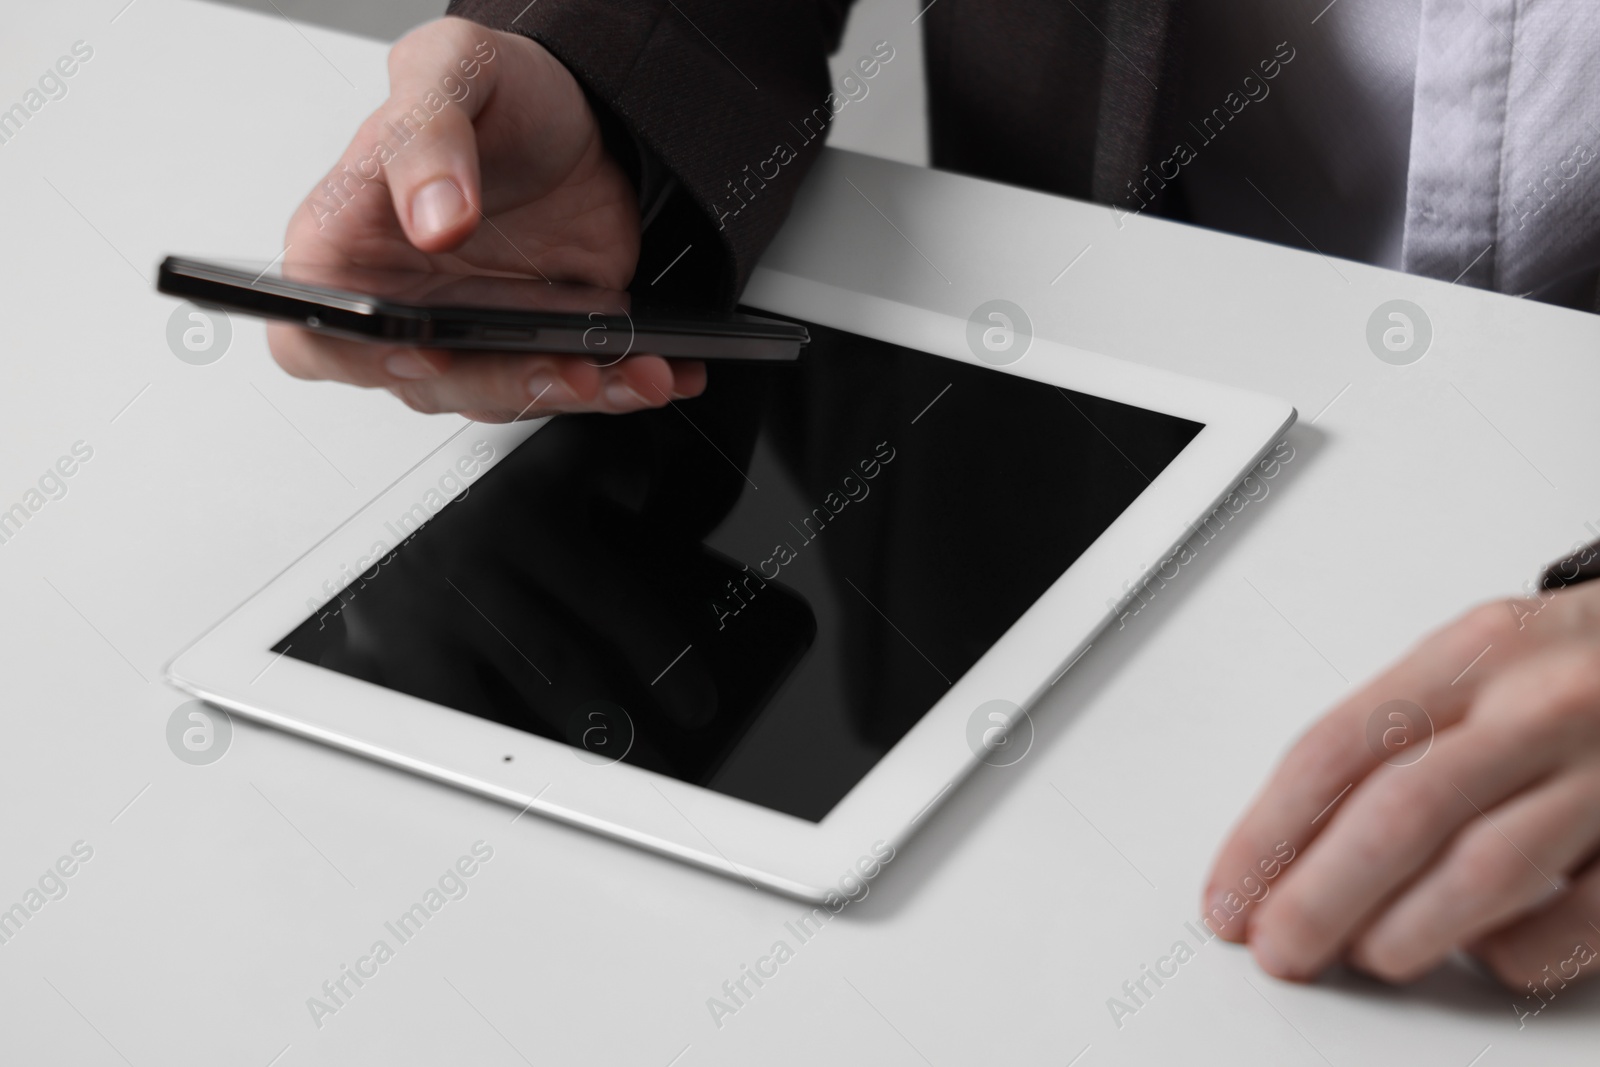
759,590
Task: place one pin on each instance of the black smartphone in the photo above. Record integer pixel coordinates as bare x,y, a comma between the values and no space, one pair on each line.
481,312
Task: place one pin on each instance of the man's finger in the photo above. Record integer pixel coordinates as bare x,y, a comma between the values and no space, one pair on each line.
540,385
416,158
1505,864
1555,946
440,79
319,357
688,380
1396,821
1440,676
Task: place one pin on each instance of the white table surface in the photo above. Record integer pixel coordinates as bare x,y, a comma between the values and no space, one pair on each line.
221,897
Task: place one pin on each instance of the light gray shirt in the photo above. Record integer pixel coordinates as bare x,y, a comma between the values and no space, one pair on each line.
1452,138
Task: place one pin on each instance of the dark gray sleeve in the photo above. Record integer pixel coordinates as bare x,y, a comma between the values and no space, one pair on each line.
722,107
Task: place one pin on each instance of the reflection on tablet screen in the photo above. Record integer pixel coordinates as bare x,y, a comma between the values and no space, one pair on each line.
759,590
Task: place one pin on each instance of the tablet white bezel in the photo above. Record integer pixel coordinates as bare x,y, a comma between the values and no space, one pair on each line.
232,667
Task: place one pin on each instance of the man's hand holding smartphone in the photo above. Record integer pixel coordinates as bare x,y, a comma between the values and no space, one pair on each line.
509,176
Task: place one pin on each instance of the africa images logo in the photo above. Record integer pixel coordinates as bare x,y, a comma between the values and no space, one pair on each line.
198,336
1399,332
999,332
198,733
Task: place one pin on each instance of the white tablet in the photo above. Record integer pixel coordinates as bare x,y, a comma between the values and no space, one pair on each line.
766,630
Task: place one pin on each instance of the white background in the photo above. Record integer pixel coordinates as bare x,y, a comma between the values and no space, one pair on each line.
221,897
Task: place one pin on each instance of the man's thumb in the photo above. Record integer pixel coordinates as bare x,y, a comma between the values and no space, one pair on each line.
437,86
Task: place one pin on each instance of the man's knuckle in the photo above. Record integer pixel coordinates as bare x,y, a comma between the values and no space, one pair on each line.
424,41
1490,622
403,53
1564,710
